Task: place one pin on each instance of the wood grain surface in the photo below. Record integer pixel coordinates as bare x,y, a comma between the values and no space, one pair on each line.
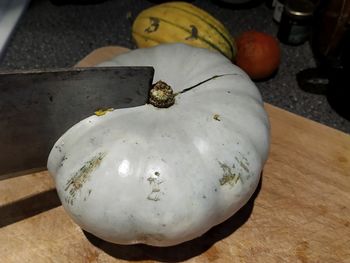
299,213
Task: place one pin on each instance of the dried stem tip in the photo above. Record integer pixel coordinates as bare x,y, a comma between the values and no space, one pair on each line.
161,95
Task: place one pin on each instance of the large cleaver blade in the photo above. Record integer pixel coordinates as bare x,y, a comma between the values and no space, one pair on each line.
37,107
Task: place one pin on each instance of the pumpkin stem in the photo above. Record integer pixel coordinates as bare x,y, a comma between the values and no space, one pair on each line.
161,95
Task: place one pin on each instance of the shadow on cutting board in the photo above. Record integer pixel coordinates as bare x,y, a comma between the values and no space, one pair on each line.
27,207
182,251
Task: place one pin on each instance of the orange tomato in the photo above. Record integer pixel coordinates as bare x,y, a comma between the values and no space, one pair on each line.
258,54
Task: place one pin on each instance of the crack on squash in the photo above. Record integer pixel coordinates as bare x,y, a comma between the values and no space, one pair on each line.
204,81
77,181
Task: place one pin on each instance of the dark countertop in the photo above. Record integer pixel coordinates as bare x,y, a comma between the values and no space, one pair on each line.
50,36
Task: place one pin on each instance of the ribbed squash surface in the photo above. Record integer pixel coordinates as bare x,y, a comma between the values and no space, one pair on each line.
182,22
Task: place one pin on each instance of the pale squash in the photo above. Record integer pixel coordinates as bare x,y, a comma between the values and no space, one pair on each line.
182,22
162,176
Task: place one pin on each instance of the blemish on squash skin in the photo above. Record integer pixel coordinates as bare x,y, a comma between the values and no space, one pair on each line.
155,182
238,171
229,177
216,117
59,148
77,181
244,164
194,33
102,112
154,25
64,158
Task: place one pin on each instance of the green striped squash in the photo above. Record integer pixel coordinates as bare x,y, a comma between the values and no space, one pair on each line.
182,22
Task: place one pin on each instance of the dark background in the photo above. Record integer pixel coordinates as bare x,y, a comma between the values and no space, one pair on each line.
56,36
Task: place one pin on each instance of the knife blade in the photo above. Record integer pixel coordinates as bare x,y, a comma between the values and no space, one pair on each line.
37,107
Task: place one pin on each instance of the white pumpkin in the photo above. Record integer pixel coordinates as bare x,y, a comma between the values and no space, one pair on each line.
162,176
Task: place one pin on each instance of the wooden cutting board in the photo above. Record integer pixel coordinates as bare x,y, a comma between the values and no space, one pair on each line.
300,213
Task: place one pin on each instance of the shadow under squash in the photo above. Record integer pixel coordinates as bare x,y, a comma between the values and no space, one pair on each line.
184,250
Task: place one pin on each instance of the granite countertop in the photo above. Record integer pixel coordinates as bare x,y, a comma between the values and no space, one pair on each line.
51,36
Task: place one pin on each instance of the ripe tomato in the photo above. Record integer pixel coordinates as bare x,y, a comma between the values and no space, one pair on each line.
258,54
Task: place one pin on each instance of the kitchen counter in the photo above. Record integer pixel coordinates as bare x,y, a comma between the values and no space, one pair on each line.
51,36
